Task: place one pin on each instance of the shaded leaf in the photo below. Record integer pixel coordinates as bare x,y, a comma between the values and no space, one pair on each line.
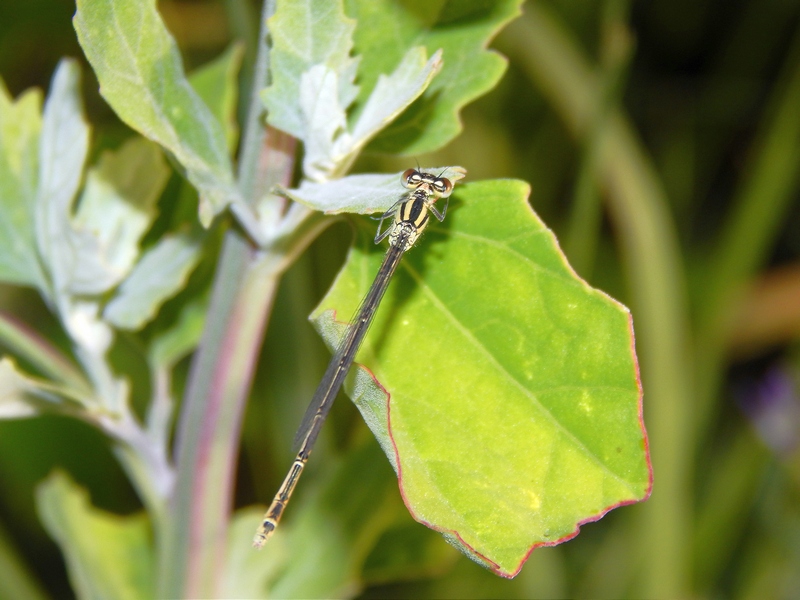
336,527
107,556
248,573
23,396
462,30
160,274
141,76
179,340
20,124
514,412
363,194
217,84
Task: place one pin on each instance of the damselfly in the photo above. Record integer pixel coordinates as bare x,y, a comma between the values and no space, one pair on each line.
410,219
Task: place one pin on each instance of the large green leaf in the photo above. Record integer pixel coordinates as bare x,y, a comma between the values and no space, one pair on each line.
141,76
20,124
514,404
462,29
107,556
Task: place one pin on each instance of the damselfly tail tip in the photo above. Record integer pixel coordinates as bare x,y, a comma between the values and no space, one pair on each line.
263,534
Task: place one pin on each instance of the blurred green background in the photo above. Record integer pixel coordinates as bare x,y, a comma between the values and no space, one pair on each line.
662,142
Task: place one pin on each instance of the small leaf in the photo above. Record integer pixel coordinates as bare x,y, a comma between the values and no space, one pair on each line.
216,83
107,556
511,399
62,153
363,194
306,34
117,207
20,124
178,341
23,396
462,30
394,93
141,76
324,117
160,274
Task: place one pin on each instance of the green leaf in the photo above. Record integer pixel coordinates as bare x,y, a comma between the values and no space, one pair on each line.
117,207
217,84
514,412
363,194
107,556
335,529
20,124
306,34
160,274
141,76
62,153
385,31
179,340
23,396
248,573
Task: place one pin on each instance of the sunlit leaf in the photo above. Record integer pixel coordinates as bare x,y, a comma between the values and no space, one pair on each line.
462,30
363,194
514,407
107,556
141,76
62,153
20,123
160,274
305,34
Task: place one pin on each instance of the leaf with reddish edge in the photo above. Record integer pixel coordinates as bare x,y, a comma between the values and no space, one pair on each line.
503,388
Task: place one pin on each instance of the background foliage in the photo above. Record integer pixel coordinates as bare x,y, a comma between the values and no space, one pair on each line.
661,142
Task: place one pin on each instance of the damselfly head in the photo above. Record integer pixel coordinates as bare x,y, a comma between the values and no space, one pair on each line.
440,186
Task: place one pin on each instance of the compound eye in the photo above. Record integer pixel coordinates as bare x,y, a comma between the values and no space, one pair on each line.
411,178
443,186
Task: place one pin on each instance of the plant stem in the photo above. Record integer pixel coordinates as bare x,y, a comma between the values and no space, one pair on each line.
192,548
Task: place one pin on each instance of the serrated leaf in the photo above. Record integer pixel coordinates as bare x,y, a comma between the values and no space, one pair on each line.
117,207
394,93
514,407
305,34
20,124
362,194
141,76
386,29
217,84
62,153
107,556
160,274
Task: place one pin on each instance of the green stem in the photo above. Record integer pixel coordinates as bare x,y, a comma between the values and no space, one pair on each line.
650,249
192,547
